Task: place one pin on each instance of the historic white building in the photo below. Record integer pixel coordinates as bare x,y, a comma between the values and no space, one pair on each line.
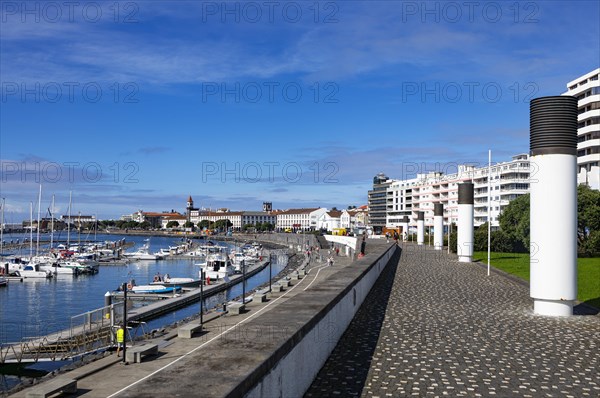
299,219
329,220
586,89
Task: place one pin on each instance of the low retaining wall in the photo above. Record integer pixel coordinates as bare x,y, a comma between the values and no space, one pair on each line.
349,243
294,240
291,369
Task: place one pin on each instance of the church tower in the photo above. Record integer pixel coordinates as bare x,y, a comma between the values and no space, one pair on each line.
267,207
189,207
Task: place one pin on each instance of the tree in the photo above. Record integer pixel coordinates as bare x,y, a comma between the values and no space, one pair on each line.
588,220
500,242
454,238
144,225
514,221
267,226
205,224
223,224
172,224
189,224
131,224
481,237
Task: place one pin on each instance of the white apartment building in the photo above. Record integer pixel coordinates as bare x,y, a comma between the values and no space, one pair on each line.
299,219
354,218
586,89
406,197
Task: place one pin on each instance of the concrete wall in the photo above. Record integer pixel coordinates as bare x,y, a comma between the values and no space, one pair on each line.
297,367
281,238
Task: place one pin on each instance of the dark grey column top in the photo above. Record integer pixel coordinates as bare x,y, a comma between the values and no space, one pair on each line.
465,193
438,209
420,216
553,125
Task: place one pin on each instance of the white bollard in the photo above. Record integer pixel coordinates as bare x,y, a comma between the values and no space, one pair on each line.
464,243
420,227
438,226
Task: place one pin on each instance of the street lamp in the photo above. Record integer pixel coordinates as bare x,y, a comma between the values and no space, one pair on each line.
124,322
201,296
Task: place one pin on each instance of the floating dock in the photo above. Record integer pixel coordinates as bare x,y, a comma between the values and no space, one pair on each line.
172,302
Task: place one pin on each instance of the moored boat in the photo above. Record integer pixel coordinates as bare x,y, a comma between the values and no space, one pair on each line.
169,281
143,253
217,266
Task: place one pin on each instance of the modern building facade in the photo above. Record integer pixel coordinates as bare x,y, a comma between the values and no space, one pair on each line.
586,89
404,198
378,202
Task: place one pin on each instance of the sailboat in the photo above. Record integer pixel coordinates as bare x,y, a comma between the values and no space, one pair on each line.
33,269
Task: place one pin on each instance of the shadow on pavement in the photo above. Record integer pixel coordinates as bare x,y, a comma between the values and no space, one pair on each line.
345,372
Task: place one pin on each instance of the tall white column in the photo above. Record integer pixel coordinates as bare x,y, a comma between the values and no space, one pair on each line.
464,243
553,189
420,227
438,226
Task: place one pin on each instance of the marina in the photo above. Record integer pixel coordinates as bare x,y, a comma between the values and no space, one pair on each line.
40,307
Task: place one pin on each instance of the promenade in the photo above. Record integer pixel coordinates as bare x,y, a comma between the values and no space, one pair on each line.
436,327
209,364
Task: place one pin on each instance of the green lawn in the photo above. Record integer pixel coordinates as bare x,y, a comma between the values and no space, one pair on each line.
588,280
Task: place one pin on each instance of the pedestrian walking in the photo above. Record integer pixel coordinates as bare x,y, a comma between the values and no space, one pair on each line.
120,339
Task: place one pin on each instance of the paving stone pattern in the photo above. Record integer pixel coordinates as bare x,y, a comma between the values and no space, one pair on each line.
436,327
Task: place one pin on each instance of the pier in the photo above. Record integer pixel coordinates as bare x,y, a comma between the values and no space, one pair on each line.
184,299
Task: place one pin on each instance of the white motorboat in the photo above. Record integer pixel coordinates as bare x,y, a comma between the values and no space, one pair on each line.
32,271
81,268
164,252
217,266
58,269
143,253
240,260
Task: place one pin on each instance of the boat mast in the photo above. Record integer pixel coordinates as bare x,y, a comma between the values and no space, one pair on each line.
30,230
79,231
69,222
37,244
2,228
52,224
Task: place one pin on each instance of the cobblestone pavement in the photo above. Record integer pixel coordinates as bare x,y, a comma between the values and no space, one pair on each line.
436,327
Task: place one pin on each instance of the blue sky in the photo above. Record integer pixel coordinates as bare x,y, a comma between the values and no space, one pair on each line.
138,104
